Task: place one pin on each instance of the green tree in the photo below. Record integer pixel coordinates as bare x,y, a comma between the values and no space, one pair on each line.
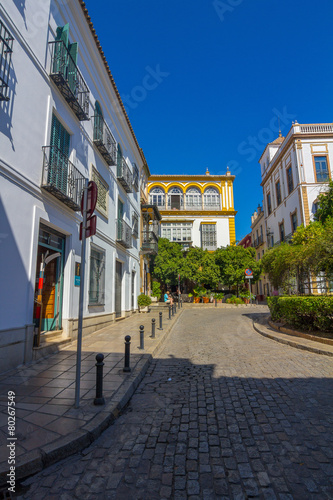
280,263
325,202
233,260
168,262
200,268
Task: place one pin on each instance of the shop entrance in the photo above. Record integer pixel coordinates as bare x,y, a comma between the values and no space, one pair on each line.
48,310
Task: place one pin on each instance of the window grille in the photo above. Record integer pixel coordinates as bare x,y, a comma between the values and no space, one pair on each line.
6,49
97,277
212,199
157,197
208,236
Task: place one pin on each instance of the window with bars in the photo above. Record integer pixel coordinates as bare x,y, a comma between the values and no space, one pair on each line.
135,225
97,277
102,192
157,197
293,222
208,236
321,167
6,49
281,228
212,198
178,232
193,198
278,193
290,181
269,203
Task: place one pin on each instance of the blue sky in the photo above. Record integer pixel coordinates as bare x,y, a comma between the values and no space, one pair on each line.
204,81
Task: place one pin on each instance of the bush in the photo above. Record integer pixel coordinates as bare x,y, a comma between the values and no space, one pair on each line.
156,290
234,300
306,312
144,300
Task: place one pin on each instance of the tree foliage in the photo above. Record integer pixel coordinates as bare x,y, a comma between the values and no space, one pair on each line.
233,260
168,262
325,202
200,268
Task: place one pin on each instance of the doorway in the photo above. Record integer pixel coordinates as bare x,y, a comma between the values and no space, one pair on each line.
118,288
48,311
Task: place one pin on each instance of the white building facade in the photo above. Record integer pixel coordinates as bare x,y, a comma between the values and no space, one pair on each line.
196,210
61,122
294,170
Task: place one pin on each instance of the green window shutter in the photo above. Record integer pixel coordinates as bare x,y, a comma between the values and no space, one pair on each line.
119,161
59,153
63,34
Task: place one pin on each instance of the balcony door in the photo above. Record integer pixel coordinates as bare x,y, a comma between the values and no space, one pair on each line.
59,154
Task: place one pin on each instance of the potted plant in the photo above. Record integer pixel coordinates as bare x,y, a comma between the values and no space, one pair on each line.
206,297
190,296
218,296
156,291
199,292
144,302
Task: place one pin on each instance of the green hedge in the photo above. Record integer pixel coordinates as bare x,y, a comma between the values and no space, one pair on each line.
306,312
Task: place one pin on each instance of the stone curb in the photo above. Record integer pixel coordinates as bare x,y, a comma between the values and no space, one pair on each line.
34,461
303,335
291,343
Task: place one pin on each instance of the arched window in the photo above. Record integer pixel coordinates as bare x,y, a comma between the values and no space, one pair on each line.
98,122
212,199
175,198
157,197
193,199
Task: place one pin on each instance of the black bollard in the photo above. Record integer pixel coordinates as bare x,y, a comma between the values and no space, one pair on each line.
178,301
169,312
181,302
215,302
142,337
99,400
127,354
175,308
161,328
153,328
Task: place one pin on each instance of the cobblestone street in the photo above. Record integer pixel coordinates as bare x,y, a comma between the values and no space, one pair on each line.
223,413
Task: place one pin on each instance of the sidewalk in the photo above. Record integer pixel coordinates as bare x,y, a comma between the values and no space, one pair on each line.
300,340
47,426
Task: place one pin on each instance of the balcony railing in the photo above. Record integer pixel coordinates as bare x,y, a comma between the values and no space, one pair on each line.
104,140
6,49
135,226
66,75
135,177
124,175
149,242
61,178
258,241
124,233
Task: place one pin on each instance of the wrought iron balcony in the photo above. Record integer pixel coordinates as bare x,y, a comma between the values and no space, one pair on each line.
6,49
149,242
258,241
135,177
104,140
66,75
61,178
135,226
124,175
124,233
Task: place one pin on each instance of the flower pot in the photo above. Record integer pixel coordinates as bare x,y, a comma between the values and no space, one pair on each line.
143,309
196,300
153,299
205,300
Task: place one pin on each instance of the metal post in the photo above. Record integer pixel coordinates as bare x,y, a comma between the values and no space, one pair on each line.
250,291
161,328
81,297
99,400
153,328
142,337
172,310
215,302
169,312
127,354
181,302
